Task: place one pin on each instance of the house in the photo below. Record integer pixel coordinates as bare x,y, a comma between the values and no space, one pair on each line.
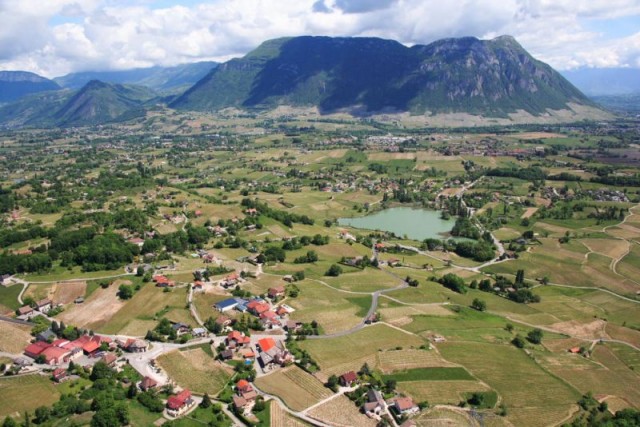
109,359
134,345
243,386
179,403
251,211
374,404
199,332
47,335
276,292
181,328
44,305
223,321
257,307
5,279
288,278
293,326
574,350
239,402
405,406
227,354
137,241
226,305
59,374
248,354
393,262
55,355
347,379
231,280
273,353
34,350
26,312
147,383
91,347
237,339
198,285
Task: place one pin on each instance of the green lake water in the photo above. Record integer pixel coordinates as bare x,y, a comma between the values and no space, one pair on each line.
417,224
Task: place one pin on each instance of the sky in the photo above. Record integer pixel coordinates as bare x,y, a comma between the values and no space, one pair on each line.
55,37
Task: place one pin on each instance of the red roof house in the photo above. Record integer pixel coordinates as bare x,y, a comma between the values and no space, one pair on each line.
34,350
178,403
349,378
266,344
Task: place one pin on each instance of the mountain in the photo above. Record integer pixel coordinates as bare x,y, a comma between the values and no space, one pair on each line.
98,102
16,84
162,79
605,81
489,78
95,103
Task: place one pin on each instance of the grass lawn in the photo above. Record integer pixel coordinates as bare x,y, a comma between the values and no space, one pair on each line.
9,298
430,374
196,370
26,393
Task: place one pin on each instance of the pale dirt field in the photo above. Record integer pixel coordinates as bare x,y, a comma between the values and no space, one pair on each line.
529,212
380,156
625,231
14,338
591,330
607,247
341,412
399,316
97,310
537,135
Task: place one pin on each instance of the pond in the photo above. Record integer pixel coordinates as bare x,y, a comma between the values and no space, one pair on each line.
417,224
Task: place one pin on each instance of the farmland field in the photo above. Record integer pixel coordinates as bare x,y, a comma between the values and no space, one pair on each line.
340,411
281,418
440,392
40,390
14,337
342,354
196,370
430,374
536,398
397,360
297,388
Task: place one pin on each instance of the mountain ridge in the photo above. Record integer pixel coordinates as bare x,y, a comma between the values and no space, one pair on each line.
492,77
16,84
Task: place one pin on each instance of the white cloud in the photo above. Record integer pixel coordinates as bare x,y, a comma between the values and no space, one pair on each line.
118,34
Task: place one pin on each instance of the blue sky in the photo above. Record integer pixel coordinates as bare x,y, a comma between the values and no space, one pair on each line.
75,35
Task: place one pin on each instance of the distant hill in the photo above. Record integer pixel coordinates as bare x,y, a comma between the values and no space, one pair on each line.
96,103
16,84
605,81
490,78
161,79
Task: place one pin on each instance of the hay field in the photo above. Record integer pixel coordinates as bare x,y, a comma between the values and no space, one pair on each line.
281,418
341,412
14,337
26,393
61,292
298,389
97,310
196,370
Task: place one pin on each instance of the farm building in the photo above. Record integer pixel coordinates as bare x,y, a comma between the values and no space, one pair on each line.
179,403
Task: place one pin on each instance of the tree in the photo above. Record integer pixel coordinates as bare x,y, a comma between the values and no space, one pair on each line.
332,383
535,336
132,391
518,341
509,327
334,271
479,304
42,414
206,401
9,422
520,277
125,292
